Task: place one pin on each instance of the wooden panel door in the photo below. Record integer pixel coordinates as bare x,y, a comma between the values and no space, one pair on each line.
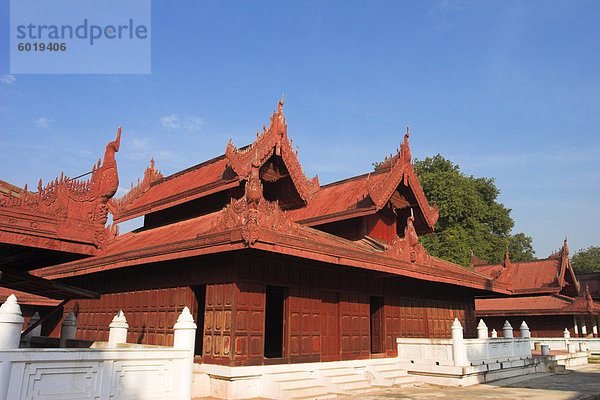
330,329
377,334
304,325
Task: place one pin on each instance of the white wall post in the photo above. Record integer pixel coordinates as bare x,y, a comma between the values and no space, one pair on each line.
524,330
118,330
37,331
482,330
575,328
566,333
583,327
507,330
11,322
594,326
185,338
494,333
68,329
458,345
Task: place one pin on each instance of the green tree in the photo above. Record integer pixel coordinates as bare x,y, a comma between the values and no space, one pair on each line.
520,247
470,219
588,260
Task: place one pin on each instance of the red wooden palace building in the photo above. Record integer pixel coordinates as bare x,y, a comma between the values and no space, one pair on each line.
547,295
275,267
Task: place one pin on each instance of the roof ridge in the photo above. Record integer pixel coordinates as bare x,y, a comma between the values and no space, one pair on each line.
352,178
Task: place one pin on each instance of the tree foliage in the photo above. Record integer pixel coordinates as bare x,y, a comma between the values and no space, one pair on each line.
585,261
470,218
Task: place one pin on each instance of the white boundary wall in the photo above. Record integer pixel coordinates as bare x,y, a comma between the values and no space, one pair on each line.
93,373
477,351
580,344
112,370
462,352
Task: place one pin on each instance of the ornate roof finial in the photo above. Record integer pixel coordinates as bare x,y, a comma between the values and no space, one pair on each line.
565,247
506,257
152,162
588,296
280,106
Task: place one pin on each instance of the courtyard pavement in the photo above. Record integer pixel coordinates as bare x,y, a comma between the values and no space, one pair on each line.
580,383
575,383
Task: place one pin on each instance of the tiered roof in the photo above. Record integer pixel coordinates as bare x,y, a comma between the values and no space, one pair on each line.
550,275
548,304
546,286
250,220
155,192
369,193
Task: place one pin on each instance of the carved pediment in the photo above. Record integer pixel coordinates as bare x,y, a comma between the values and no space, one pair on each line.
272,141
408,248
399,171
252,212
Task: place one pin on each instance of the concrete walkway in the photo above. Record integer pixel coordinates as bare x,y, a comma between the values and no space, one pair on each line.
576,383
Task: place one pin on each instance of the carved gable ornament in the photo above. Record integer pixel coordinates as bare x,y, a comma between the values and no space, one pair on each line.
400,170
408,248
272,141
118,206
253,212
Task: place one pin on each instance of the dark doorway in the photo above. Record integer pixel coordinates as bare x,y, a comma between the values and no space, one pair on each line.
274,312
200,295
377,324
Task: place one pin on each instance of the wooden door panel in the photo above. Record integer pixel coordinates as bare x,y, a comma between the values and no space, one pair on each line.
330,345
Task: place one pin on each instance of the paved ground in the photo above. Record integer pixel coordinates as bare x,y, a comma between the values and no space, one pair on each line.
578,383
581,383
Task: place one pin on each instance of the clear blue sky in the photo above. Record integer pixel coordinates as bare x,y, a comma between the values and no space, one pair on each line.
509,90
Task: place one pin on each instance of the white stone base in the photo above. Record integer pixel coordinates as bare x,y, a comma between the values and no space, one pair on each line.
471,375
316,380
570,359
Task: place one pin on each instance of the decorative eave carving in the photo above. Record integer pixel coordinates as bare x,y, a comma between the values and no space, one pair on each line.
565,267
401,170
253,212
588,298
272,141
118,206
79,208
476,261
408,248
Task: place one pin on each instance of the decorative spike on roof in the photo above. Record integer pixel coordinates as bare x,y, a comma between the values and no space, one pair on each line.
272,141
150,175
476,261
506,258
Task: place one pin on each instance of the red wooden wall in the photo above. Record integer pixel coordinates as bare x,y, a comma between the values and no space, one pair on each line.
327,308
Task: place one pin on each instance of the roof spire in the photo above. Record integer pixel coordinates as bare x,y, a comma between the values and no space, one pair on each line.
280,106
506,257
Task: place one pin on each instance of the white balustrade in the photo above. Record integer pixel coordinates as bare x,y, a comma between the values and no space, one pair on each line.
459,351
102,371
